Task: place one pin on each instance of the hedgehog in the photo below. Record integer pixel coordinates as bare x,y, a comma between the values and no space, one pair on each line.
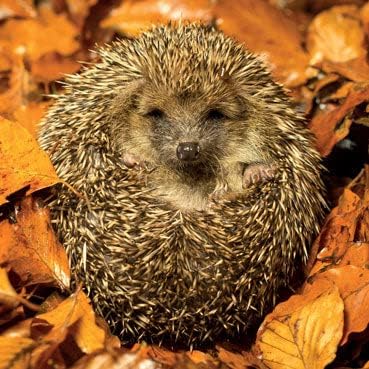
198,187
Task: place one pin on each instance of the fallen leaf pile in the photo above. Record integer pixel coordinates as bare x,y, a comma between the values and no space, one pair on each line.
318,50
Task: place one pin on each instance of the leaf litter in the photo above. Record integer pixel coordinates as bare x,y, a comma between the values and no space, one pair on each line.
318,50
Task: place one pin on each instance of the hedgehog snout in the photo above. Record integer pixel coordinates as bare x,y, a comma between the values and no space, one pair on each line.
188,151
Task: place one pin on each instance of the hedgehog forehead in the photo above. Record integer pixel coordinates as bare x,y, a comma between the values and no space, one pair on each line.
184,62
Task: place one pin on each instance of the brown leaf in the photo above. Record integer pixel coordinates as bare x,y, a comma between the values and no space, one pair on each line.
34,38
356,70
353,285
336,35
15,352
132,17
199,357
79,9
262,27
8,296
31,249
235,360
23,163
20,329
16,8
76,317
19,84
30,115
326,126
307,337
52,66
115,359
266,29
346,228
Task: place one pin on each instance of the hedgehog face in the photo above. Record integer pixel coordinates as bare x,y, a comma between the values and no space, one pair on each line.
189,132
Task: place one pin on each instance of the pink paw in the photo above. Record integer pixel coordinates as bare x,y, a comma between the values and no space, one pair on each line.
131,161
255,173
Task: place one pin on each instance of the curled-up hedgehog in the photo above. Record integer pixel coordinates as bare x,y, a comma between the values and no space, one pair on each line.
203,185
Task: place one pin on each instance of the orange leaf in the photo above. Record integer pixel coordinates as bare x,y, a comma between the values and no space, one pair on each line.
266,29
336,35
353,284
237,361
76,317
36,37
117,359
16,8
132,17
31,249
15,352
325,125
53,66
23,163
19,85
8,296
346,228
304,338
30,115
257,23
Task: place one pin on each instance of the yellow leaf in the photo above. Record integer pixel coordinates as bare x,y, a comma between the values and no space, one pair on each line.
306,338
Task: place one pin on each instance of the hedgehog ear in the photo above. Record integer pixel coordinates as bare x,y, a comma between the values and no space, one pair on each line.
127,96
123,104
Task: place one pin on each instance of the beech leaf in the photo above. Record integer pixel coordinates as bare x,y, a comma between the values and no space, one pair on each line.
22,162
305,339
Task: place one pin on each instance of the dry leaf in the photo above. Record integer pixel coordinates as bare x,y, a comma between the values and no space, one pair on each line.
115,359
31,249
52,66
267,30
336,35
305,338
8,296
79,9
237,361
346,227
30,115
23,163
326,125
353,285
21,329
356,70
132,16
36,37
76,317
19,85
262,27
15,352
159,354
16,8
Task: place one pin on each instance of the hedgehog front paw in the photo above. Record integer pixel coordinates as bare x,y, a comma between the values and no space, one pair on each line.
131,160
255,173
220,190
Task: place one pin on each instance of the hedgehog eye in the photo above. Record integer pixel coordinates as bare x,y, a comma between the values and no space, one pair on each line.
215,114
155,114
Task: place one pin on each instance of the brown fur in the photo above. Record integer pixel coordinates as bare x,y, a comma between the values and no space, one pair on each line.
231,144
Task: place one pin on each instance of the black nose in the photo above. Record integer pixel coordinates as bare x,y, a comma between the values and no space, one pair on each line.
188,151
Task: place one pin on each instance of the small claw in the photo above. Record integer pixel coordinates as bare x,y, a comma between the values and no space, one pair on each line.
130,160
255,173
